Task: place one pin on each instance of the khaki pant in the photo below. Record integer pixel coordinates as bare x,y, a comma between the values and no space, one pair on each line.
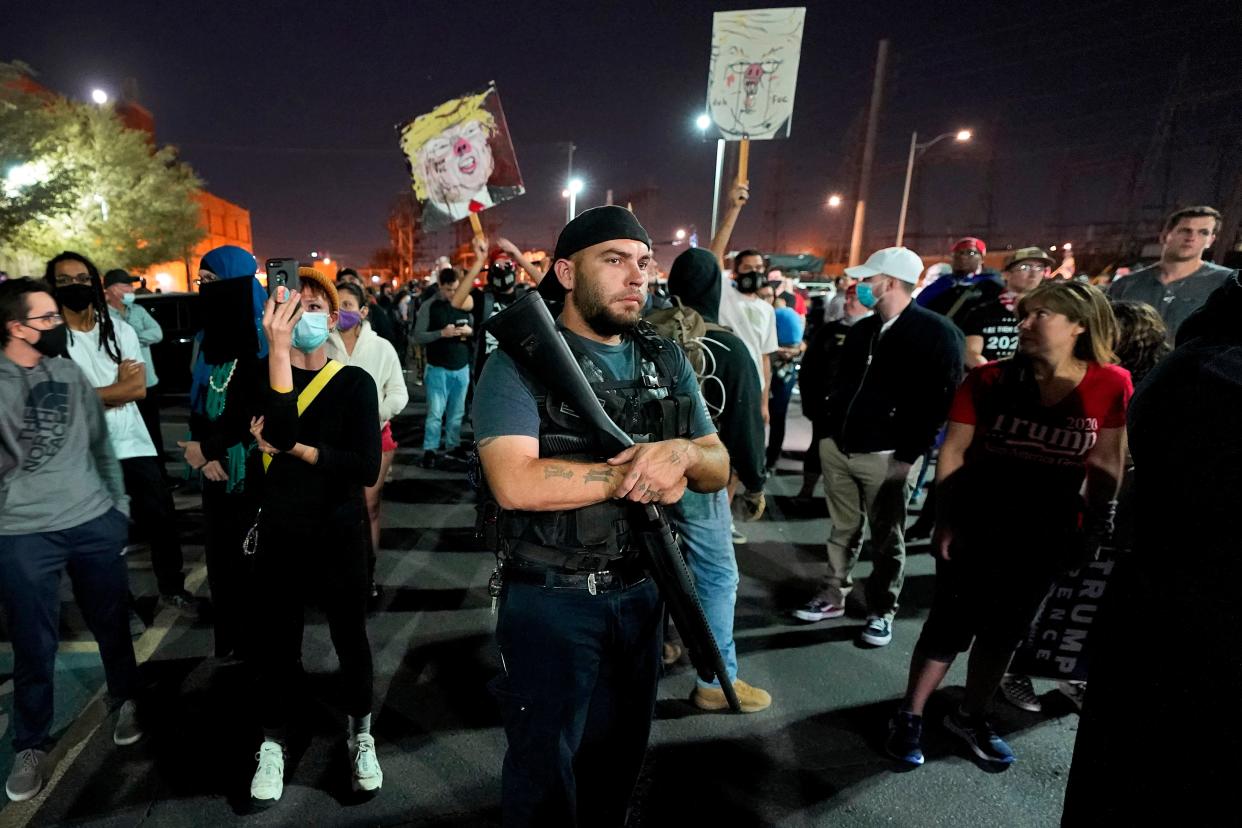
854,486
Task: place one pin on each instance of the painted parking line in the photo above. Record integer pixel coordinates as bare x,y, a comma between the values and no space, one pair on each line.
75,738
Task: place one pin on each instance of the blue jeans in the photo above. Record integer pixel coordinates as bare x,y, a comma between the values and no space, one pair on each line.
30,569
703,521
446,395
576,697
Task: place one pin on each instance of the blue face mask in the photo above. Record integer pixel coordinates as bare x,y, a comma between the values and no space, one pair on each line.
310,332
866,296
127,299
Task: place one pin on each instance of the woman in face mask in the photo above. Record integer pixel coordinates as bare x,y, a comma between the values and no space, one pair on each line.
320,429
354,343
226,391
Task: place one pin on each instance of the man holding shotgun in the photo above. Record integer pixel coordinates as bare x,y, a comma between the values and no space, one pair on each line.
579,624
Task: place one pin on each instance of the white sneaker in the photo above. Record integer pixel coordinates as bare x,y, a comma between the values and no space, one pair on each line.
269,779
367,775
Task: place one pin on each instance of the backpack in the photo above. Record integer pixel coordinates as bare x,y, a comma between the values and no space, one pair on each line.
687,328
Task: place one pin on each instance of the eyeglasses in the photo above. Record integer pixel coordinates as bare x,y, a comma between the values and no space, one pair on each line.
971,252
54,318
64,279
206,277
1028,267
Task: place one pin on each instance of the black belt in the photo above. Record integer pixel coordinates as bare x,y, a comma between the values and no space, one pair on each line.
607,580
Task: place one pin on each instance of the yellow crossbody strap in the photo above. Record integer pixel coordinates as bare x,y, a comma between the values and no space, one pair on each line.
310,392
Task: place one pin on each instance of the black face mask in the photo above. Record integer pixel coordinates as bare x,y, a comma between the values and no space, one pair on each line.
76,298
751,282
228,320
501,279
53,342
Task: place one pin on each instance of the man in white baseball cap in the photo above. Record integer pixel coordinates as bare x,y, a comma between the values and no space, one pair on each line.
899,368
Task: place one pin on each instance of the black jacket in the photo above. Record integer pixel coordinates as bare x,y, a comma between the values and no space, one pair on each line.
892,392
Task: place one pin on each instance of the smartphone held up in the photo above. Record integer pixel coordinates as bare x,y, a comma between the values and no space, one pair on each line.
282,278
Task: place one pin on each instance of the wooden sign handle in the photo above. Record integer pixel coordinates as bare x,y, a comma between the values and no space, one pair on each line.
476,225
743,162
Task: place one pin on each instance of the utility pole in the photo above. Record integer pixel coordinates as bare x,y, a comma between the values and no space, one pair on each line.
569,176
868,155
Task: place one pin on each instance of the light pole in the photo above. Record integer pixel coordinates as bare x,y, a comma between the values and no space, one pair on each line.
834,203
961,136
571,192
569,177
704,122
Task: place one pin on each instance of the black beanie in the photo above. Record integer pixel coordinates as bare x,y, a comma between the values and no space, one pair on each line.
695,279
590,227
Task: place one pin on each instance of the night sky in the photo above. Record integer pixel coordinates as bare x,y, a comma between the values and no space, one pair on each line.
289,108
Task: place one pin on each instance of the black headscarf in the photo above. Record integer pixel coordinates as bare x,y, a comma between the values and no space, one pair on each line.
695,279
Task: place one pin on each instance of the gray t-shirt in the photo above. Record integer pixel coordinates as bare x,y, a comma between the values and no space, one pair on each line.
505,404
1174,302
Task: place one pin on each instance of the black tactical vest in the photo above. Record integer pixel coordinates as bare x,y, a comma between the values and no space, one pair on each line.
647,408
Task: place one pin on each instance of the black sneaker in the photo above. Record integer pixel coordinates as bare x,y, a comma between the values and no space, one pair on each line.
905,737
980,738
430,460
460,453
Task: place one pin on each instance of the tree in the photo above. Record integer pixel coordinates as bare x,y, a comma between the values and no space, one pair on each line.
92,184
29,183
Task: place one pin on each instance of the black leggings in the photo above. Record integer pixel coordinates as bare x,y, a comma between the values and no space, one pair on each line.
321,563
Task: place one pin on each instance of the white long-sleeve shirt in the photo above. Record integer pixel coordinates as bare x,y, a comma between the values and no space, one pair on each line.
377,357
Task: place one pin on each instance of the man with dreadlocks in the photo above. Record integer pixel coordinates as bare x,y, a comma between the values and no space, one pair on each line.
108,352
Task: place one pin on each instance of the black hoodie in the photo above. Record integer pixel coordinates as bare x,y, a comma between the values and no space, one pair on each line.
695,279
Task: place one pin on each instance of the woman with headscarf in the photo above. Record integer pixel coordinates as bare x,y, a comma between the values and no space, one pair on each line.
224,395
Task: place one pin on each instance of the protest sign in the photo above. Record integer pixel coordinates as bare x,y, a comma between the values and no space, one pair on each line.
754,72
461,159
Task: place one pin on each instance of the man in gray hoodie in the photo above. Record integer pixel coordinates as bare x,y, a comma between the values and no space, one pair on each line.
62,508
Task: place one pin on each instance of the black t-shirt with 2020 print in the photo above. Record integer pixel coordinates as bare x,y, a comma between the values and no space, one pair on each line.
996,324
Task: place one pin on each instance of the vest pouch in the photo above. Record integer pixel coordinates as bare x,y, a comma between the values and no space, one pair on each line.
600,526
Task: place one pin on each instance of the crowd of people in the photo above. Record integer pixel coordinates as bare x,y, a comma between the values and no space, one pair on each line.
1014,386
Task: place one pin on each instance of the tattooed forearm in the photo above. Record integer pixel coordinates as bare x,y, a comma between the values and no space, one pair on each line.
550,472
598,476
675,457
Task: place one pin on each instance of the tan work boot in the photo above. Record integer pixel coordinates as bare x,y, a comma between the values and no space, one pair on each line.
752,699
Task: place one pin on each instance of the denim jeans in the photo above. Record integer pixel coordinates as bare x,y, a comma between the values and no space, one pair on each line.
576,697
446,399
30,570
703,521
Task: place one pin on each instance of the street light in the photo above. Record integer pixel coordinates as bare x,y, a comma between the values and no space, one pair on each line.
680,234
571,192
23,175
703,122
961,136
99,96
834,201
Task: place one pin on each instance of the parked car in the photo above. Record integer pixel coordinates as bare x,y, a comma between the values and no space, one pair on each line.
179,314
